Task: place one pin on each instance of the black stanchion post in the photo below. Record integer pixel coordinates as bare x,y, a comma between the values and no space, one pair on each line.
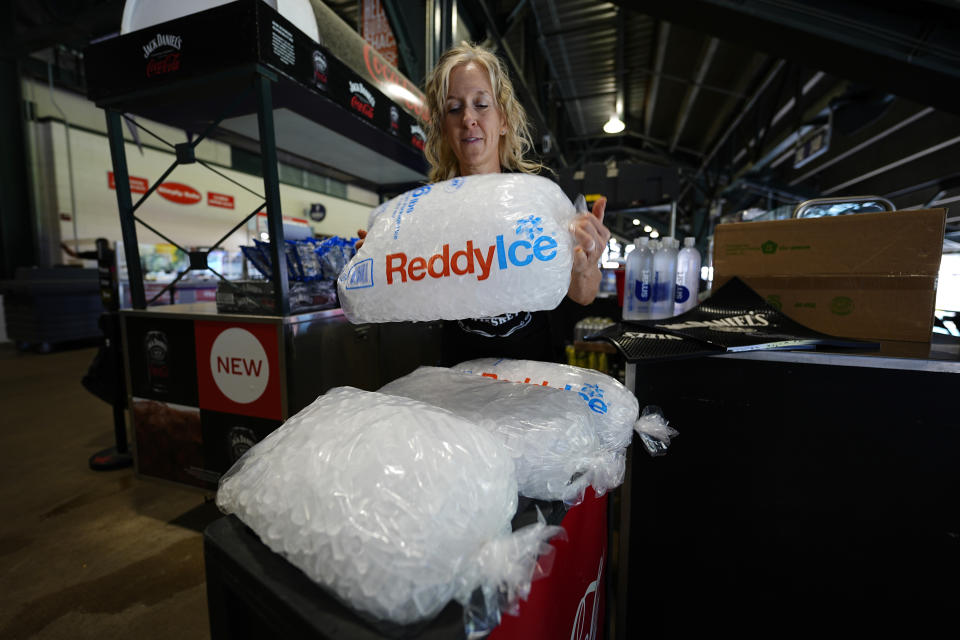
117,456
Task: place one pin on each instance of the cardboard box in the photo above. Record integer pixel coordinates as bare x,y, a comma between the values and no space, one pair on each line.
871,275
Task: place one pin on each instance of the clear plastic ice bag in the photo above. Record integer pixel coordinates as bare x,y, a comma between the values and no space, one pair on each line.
655,432
470,247
616,405
553,435
389,503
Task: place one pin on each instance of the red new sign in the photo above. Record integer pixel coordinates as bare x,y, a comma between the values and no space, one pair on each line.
179,193
137,185
238,368
221,200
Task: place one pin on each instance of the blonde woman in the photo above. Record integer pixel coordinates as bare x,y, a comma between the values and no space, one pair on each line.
478,126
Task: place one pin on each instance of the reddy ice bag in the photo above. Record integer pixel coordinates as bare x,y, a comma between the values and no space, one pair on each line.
470,247
395,506
554,436
615,406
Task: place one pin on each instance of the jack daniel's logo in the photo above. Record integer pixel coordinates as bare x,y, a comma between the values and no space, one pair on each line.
359,89
417,137
162,40
162,54
733,324
362,100
320,70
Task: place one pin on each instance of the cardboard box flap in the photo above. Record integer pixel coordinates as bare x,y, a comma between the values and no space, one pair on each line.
907,242
853,282
858,306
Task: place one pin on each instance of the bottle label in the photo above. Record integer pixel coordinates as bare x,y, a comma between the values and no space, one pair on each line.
661,290
683,294
643,287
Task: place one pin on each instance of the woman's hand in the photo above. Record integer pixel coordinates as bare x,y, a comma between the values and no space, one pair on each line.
360,234
591,238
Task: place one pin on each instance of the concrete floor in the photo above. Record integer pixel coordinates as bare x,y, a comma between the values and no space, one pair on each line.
87,554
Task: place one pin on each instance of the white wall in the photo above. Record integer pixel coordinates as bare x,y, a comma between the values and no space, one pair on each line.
189,225
84,114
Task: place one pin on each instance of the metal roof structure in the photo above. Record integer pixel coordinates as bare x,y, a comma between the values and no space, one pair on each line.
727,92
734,93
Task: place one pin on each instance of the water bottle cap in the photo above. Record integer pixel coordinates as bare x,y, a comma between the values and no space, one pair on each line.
689,241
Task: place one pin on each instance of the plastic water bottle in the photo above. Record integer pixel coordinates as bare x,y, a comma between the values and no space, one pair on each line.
688,277
664,278
645,290
636,285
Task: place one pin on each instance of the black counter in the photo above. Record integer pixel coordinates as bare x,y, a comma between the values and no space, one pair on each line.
801,483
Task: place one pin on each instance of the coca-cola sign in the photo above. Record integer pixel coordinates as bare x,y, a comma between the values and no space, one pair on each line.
362,100
162,53
385,75
179,193
417,136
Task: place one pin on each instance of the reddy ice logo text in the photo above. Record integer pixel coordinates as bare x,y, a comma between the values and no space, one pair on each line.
475,260
591,394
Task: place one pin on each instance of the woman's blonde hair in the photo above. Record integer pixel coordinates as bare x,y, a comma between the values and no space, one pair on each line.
514,146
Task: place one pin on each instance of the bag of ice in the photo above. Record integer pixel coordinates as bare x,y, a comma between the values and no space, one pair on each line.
552,433
606,398
387,502
469,247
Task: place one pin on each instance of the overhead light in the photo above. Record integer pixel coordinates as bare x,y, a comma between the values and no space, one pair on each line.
614,125
636,222
654,234
646,228
402,93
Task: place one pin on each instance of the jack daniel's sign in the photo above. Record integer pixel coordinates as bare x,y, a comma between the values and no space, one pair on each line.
162,54
362,99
